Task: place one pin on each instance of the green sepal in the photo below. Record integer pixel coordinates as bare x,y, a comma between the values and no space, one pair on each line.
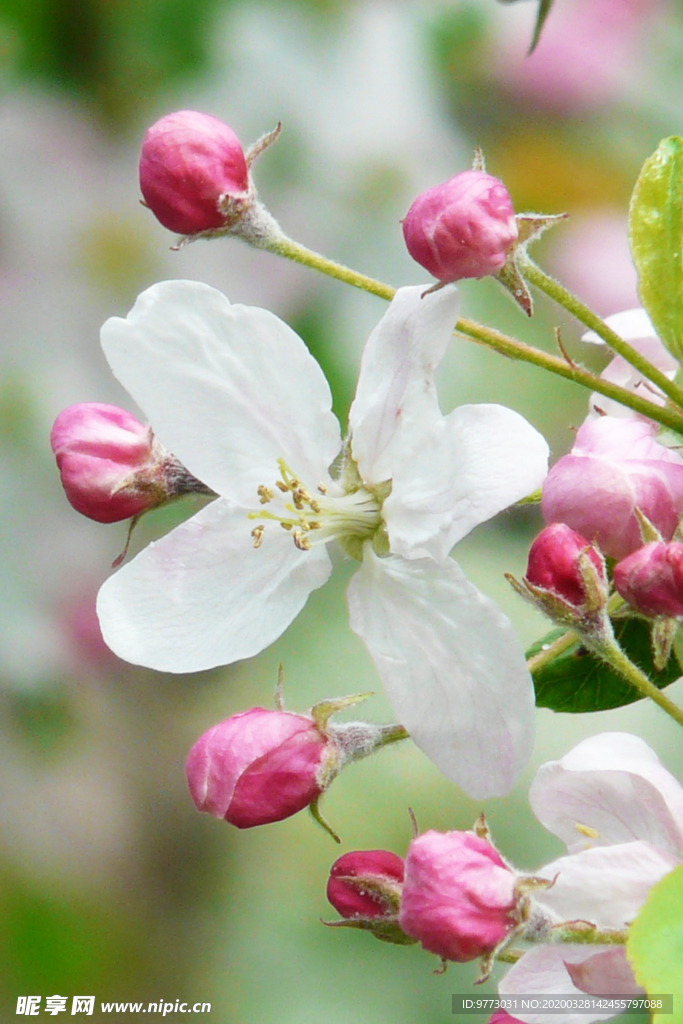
577,681
386,930
655,944
655,230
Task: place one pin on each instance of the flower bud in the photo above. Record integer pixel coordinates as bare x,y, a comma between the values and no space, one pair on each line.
651,579
555,563
366,883
259,766
111,465
615,467
107,460
190,164
503,1017
464,227
459,898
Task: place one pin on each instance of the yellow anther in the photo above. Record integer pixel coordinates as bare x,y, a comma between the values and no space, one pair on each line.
314,525
281,486
303,522
315,506
587,831
265,494
322,488
257,534
301,541
285,526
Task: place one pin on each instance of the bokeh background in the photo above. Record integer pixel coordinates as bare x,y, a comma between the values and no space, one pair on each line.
110,883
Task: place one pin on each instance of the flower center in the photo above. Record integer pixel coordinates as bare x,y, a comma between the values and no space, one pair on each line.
330,512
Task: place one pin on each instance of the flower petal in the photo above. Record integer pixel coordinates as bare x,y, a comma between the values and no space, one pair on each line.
630,324
396,399
606,885
477,461
611,788
228,389
204,596
542,971
452,668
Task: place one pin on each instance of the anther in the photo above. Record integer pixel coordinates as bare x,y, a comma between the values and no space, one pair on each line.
282,486
285,526
257,534
586,830
301,541
265,494
315,506
322,489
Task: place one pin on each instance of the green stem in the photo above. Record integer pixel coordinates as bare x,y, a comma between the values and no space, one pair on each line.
559,294
508,346
281,245
567,640
278,243
614,656
391,734
579,932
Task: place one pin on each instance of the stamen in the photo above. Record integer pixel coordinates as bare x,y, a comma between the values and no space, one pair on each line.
265,494
282,486
586,830
257,534
315,506
301,541
322,488
285,526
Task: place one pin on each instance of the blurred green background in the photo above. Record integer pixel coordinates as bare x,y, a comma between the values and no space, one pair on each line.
110,883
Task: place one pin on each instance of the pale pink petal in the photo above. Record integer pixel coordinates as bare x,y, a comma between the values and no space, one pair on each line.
474,463
611,788
606,885
543,972
396,398
608,971
630,324
228,389
204,596
452,668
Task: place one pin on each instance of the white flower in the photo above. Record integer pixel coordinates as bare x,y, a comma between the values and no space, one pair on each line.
635,327
237,397
620,814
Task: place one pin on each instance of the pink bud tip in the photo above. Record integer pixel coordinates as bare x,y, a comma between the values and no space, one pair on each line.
188,162
256,767
458,895
651,579
554,562
383,869
464,227
99,451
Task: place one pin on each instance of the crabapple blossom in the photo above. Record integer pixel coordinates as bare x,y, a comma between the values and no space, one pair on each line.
464,227
620,814
238,396
615,466
651,579
459,897
111,465
190,164
635,327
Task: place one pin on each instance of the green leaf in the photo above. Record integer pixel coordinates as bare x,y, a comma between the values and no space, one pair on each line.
577,681
656,238
655,944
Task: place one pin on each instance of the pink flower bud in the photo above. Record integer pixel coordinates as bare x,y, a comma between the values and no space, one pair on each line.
101,450
503,1017
554,563
459,897
651,579
258,766
464,227
189,162
615,467
381,870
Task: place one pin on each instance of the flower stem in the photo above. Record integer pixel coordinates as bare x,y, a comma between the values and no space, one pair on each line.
585,934
559,294
614,656
281,245
566,640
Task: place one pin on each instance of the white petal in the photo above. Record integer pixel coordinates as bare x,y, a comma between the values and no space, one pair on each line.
396,398
452,668
204,596
611,788
543,972
477,461
629,324
228,389
608,971
606,885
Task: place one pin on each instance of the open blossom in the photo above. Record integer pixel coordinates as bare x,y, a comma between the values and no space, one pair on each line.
615,466
237,396
635,327
620,814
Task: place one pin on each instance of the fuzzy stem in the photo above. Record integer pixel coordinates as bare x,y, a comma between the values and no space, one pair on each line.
564,642
610,652
559,294
281,245
578,932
